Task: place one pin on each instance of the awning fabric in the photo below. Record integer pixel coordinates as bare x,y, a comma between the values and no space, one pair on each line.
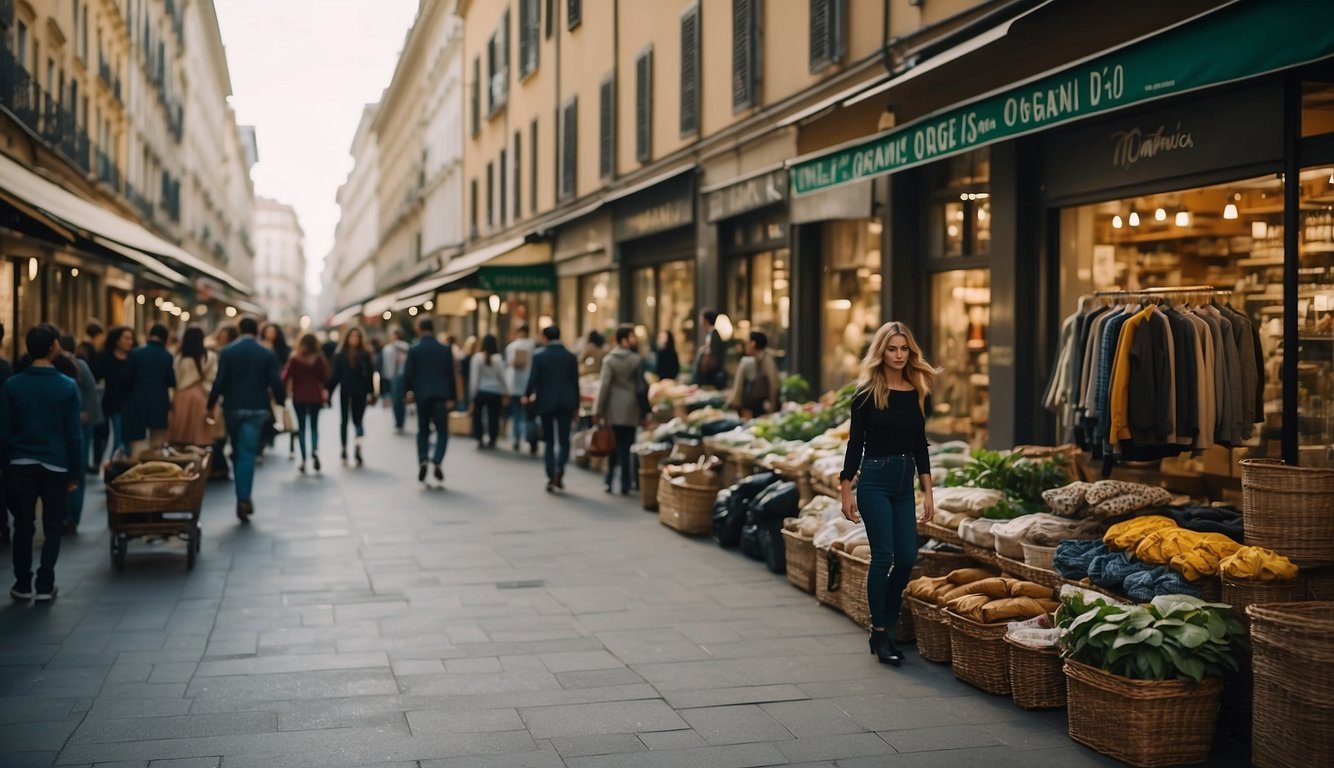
21,183
378,305
345,315
413,301
143,260
513,252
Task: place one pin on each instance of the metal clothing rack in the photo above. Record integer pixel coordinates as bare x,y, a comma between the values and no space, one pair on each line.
1158,292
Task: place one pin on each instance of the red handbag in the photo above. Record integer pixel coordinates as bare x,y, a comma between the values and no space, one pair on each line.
602,442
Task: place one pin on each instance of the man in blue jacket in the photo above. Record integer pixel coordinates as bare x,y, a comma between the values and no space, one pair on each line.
40,437
248,376
554,388
428,381
149,379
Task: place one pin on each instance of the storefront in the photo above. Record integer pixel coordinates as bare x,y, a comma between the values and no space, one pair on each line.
587,282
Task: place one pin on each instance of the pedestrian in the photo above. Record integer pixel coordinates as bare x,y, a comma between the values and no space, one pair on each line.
39,445
554,389
666,363
711,357
92,341
221,339
90,413
248,376
330,345
591,353
622,402
887,442
88,351
428,381
518,364
6,371
392,359
305,375
755,386
464,371
195,368
149,379
487,391
111,371
354,378
271,338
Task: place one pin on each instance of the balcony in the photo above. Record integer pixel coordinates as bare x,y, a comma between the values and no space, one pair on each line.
107,172
140,203
7,13
42,114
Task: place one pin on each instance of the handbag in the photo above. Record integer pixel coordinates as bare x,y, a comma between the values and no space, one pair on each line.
602,442
284,420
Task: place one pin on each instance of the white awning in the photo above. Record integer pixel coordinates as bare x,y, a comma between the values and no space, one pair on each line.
378,305
143,260
97,221
345,315
413,301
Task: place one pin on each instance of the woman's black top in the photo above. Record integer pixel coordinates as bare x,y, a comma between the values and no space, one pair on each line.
897,429
357,377
668,365
111,369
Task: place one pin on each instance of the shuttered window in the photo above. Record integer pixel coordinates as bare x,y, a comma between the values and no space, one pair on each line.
532,164
490,195
476,96
690,71
503,199
530,22
606,127
498,65
574,13
472,218
745,53
828,33
644,106
518,174
569,147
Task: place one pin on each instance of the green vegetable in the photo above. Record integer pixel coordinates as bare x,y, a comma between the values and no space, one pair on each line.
795,388
1020,478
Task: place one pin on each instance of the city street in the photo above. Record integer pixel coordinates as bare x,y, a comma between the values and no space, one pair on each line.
362,620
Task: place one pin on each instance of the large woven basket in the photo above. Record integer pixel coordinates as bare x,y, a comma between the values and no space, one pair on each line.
1141,722
800,561
687,451
1020,570
932,630
982,555
1038,556
1289,510
855,604
1293,647
738,467
979,653
1240,593
827,592
941,533
1037,680
1316,584
648,487
686,508
935,563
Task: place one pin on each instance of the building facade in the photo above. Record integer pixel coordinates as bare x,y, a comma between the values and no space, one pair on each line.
280,263
351,263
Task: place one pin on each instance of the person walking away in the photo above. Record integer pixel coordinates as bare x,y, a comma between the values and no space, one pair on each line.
887,443
622,402
195,368
89,350
248,376
6,371
271,338
518,362
464,357
392,359
149,379
221,339
487,391
591,353
554,388
755,387
40,448
666,363
330,346
90,413
305,375
711,356
354,377
111,371
428,381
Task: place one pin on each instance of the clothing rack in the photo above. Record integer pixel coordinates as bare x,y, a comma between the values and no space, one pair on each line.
1158,292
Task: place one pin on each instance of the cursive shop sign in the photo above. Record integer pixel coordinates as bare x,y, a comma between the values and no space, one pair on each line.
1232,43
744,196
1135,144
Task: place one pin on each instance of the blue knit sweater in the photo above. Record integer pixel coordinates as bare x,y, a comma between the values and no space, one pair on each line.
39,419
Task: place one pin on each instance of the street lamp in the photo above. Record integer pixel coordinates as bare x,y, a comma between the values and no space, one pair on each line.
231,312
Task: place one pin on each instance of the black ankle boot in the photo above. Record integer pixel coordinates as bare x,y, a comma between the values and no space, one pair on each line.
882,645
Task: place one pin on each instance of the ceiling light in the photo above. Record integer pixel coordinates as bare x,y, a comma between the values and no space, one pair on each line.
428,306
412,311
1134,218
1183,218
387,315
1160,215
1230,211
1116,221
494,301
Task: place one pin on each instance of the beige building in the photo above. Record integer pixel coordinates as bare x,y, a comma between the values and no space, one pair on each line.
280,262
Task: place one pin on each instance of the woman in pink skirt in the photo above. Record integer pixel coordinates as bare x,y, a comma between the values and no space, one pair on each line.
196,368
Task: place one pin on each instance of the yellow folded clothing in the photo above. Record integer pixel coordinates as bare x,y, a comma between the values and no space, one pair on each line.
969,605
932,589
1257,564
1029,589
1016,609
1193,554
968,575
993,588
151,470
1129,533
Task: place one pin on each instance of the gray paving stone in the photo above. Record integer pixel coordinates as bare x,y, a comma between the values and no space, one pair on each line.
603,744
886,713
542,758
598,678
476,666
717,697
30,710
942,738
665,740
28,759
483,721
296,685
172,672
418,667
833,747
268,665
818,717
735,756
36,736
589,719
741,724
187,762
580,661
180,727
126,707
313,721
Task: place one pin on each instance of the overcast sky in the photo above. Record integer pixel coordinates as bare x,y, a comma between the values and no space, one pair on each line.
302,70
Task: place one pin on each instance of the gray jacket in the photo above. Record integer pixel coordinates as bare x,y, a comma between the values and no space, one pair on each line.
622,389
90,401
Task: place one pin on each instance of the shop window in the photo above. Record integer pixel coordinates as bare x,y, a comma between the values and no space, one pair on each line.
850,297
960,319
959,217
1317,108
600,298
569,310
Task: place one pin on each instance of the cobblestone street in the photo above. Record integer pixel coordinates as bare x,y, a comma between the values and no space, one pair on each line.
362,620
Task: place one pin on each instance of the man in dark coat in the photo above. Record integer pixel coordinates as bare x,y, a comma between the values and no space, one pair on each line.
150,377
711,357
428,381
248,383
553,388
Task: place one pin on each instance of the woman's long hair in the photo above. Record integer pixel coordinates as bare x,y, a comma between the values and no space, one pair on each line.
874,378
113,338
308,346
280,347
354,352
489,347
192,346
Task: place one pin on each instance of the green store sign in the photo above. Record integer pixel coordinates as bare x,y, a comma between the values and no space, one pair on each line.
1246,39
533,279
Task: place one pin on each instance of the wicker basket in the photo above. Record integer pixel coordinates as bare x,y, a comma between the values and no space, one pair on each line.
1037,680
1019,570
941,563
1240,593
687,451
827,593
906,630
941,533
1287,509
855,604
738,467
1141,722
982,555
1293,645
932,629
979,653
800,561
1038,556
1316,584
648,487
686,508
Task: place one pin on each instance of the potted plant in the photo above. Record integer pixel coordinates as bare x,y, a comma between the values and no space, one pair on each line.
1144,680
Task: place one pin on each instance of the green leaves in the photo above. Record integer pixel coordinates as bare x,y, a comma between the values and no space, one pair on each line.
1023,480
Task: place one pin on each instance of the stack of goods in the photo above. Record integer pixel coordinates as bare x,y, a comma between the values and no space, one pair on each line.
979,614
926,597
1036,677
1294,684
156,480
761,535
650,455
1256,576
732,504
1105,499
1020,480
686,493
807,421
1025,546
799,539
837,536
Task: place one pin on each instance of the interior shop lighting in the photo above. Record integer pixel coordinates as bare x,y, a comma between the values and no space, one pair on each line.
470,304
412,311
1116,221
202,309
387,315
843,304
1134,217
139,299
305,322
74,272
32,267
592,308
1230,211
231,312
1183,218
1160,215
724,327
185,317
176,311
1259,230
428,306
157,302
494,301
1331,175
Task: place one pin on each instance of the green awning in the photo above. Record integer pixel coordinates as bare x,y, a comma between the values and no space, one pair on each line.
1241,40
533,278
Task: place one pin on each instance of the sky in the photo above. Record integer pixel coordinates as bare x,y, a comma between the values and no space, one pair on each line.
302,71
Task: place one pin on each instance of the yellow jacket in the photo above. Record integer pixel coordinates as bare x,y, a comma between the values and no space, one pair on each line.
1119,427
1128,534
1257,564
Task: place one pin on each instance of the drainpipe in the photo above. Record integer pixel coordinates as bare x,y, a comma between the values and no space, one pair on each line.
884,42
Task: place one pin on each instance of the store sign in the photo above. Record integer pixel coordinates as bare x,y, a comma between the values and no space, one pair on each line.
1245,39
766,189
659,208
534,278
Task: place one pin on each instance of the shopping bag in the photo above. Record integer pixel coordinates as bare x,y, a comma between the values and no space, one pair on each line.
602,442
284,420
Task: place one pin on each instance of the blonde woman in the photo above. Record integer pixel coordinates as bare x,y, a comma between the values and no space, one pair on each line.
888,446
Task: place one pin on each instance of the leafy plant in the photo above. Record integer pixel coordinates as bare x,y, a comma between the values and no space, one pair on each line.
1172,636
1009,509
1022,479
795,388
810,421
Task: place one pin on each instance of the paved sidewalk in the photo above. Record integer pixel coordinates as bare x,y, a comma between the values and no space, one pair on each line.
362,620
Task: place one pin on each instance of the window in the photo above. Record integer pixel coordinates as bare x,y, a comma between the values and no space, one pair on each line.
644,106
502,199
490,196
551,18
745,53
518,173
84,33
574,13
74,25
529,30
569,153
690,71
828,36
532,165
607,127
476,96
21,44
497,65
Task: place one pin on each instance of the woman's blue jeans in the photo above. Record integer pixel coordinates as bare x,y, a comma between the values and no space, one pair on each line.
889,510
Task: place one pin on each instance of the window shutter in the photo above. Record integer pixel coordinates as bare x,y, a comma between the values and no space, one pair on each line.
526,40
569,155
490,195
828,38
644,106
502,199
690,71
575,10
505,49
606,128
476,96
518,173
532,164
744,56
